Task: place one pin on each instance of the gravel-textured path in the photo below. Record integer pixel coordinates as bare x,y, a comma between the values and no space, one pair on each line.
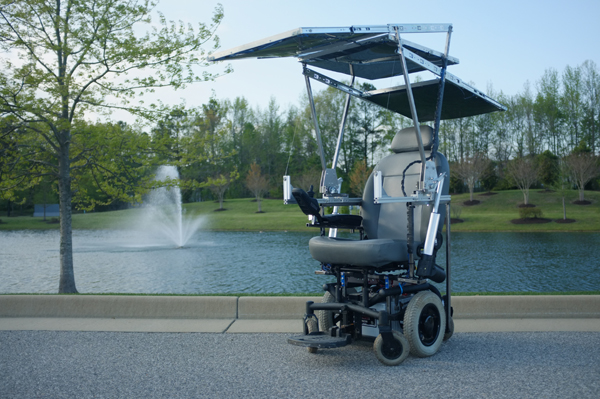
47,364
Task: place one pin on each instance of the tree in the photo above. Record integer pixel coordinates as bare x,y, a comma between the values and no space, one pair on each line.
547,108
524,173
366,119
562,185
310,177
63,59
591,101
219,185
359,176
582,167
548,167
472,170
257,183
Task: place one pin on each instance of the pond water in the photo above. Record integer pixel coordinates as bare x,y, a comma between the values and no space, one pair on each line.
243,262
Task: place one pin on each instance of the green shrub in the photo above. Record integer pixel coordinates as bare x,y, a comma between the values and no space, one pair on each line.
530,213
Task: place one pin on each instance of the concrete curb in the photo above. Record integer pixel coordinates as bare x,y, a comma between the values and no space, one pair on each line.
273,314
526,306
259,308
256,307
119,306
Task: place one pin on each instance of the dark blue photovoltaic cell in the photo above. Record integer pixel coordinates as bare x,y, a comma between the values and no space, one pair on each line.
372,55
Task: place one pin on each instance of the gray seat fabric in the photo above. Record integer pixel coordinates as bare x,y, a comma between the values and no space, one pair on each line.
385,225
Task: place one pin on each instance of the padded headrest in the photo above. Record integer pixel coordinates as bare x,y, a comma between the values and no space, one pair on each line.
406,139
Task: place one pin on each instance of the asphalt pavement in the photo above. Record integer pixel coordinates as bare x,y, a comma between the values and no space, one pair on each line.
71,364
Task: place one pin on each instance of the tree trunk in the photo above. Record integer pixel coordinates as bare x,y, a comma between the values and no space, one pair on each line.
67,277
581,194
564,209
259,206
526,197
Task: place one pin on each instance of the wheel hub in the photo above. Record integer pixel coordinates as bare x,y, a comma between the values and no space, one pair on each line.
429,325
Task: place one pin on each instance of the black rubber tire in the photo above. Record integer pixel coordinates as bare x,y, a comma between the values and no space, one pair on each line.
449,329
312,326
449,323
392,356
425,324
325,316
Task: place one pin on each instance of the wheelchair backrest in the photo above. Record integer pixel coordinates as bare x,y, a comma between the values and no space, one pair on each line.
389,220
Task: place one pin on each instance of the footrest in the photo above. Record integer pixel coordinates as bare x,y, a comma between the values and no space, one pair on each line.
320,340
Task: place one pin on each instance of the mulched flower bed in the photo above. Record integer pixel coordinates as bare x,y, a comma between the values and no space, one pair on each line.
584,202
470,203
530,221
453,220
565,220
526,206
487,194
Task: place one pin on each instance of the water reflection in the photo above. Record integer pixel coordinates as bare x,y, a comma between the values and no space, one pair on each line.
236,262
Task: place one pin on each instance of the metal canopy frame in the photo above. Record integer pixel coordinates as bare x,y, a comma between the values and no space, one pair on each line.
375,52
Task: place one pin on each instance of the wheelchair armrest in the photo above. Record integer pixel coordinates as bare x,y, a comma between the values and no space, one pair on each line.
310,206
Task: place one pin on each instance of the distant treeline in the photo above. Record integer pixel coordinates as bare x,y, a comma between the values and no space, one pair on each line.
219,141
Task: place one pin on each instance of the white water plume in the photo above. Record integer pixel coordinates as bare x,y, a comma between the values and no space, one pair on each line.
163,218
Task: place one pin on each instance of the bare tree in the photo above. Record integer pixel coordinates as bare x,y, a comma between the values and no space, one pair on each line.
359,176
471,170
562,185
309,178
257,183
582,167
524,173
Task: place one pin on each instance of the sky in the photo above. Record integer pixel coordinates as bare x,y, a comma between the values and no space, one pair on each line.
503,43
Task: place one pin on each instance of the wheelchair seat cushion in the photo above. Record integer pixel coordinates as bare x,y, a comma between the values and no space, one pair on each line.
374,253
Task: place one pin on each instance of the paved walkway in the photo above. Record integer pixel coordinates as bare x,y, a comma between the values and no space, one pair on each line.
269,325
52,364
223,347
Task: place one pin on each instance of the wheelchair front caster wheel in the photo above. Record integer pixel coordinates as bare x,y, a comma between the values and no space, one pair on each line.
391,353
312,327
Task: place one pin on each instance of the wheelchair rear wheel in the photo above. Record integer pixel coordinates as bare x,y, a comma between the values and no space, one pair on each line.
425,324
326,316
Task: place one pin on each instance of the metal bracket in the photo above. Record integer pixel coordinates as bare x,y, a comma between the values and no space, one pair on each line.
333,83
288,198
428,196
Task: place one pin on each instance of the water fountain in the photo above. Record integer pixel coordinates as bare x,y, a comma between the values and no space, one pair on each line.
163,217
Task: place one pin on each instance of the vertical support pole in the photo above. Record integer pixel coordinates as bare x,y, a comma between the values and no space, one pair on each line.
365,289
410,240
448,274
440,99
340,139
413,108
315,121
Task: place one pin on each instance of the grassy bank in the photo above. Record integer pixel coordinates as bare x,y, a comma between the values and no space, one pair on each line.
493,213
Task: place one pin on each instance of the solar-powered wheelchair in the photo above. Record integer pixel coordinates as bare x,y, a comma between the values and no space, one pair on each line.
385,279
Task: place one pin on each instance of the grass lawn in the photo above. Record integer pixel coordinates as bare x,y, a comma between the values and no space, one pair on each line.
494,213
